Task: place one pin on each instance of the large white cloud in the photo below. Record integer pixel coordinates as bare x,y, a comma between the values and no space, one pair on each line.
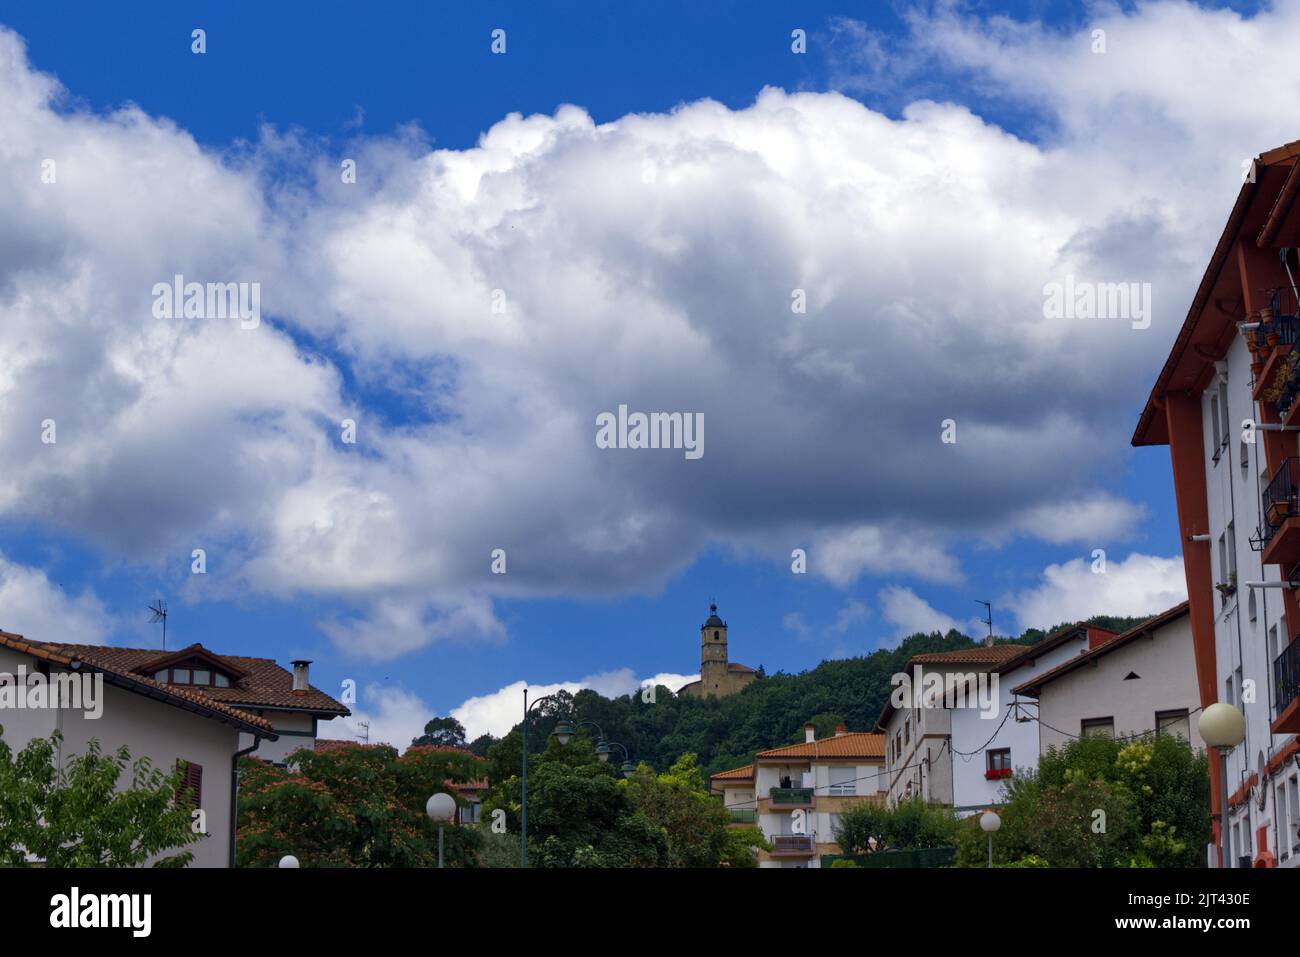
33,606
649,261
1078,589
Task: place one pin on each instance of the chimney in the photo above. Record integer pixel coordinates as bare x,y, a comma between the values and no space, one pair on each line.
841,729
300,684
809,733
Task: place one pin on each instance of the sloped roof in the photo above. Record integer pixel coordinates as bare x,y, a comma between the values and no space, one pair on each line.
851,744
743,773
1033,686
261,683
1211,324
189,698
983,655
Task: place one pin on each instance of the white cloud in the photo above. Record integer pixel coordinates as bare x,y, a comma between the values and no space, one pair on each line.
1094,520
1073,591
396,717
909,613
496,713
666,291
33,606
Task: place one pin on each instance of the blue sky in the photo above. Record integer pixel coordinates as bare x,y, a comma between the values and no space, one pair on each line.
329,82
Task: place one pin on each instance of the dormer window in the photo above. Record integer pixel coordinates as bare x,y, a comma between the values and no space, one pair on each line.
194,666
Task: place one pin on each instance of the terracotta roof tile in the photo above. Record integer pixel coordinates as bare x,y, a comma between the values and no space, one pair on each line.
64,654
854,744
745,773
983,655
264,685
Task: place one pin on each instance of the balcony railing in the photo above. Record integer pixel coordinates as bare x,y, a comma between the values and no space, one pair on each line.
1286,676
1279,500
792,844
791,795
1280,318
743,815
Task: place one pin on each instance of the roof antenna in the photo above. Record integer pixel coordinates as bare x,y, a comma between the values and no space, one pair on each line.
159,610
988,608
365,731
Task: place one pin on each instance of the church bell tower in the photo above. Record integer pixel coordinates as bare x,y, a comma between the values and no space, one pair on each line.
713,651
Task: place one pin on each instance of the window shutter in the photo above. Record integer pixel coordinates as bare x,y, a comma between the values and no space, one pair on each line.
190,790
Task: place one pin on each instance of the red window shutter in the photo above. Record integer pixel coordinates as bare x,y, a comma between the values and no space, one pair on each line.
190,790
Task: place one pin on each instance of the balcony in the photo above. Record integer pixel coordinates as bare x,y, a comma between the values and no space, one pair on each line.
1280,506
792,797
743,815
1286,689
792,845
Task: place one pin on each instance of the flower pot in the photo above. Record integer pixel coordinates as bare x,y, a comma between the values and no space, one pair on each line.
1271,340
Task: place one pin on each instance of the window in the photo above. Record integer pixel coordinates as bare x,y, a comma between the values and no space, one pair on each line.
1174,723
180,676
161,676
907,731
220,680
202,677
1251,610
1097,726
898,745
190,790
1000,759
1294,804
843,780
1215,425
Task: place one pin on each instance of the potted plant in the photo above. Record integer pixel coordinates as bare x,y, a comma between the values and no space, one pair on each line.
1229,587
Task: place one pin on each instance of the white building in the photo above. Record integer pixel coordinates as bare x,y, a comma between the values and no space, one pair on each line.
1138,683
987,746
1224,403
796,793
189,707
918,740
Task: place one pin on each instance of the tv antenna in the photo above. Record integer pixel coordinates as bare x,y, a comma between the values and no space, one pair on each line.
159,609
364,734
988,610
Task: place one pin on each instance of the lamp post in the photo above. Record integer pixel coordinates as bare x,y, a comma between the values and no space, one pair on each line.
441,809
990,822
563,733
604,750
1223,727
288,861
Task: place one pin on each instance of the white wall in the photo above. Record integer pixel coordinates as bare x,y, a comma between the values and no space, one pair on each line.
1242,640
1167,682
971,730
283,721
149,728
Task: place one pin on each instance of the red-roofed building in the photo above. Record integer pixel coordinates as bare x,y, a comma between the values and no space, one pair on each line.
191,707
1225,403
796,793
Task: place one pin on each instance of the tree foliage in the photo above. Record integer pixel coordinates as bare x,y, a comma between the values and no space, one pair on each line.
82,818
442,732
357,806
913,824
1100,802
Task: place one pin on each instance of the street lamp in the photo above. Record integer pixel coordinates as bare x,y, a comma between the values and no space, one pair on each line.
1223,727
288,861
605,748
990,822
441,809
563,733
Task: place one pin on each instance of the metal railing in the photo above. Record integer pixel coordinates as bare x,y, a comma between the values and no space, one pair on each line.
792,844
1286,676
791,795
1279,499
743,815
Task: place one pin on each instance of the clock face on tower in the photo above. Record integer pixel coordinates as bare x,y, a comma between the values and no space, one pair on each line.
713,651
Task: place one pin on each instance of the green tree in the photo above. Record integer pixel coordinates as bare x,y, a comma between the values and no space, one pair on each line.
679,802
913,824
358,806
445,732
81,818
